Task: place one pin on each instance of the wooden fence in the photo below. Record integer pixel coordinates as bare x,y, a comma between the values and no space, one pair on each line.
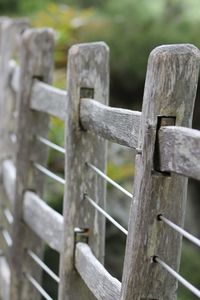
167,153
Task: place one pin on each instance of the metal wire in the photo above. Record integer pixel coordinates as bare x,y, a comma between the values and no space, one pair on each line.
8,215
50,144
7,237
103,212
183,232
38,287
108,179
43,266
49,173
184,282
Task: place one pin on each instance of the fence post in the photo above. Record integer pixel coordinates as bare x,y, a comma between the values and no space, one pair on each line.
10,31
169,95
36,59
87,76
9,44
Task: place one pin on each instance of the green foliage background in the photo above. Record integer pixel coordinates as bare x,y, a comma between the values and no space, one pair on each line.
132,29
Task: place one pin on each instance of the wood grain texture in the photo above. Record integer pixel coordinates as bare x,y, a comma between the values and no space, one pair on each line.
48,99
4,279
9,41
114,124
36,59
170,91
43,220
9,179
180,151
87,76
10,31
99,281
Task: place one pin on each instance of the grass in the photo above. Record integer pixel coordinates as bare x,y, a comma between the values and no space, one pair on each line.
190,270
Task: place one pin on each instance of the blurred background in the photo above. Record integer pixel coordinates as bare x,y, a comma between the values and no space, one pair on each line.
131,29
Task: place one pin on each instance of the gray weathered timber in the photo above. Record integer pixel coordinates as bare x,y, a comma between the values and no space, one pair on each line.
9,41
87,76
4,279
43,220
179,150
48,99
36,57
14,75
9,179
5,229
115,124
99,281
170,91
5,240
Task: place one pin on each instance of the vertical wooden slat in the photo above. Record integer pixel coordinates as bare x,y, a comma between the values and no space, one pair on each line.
10,32
36,59
170,91
87,76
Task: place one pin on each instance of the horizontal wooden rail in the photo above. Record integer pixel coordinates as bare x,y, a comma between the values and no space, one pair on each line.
115,124
179,150
9,179
44,98
43,220
48,99
4,279
98,280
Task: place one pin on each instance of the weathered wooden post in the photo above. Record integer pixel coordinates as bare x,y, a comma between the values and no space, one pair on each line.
169,96
10,32
87,77
36,60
